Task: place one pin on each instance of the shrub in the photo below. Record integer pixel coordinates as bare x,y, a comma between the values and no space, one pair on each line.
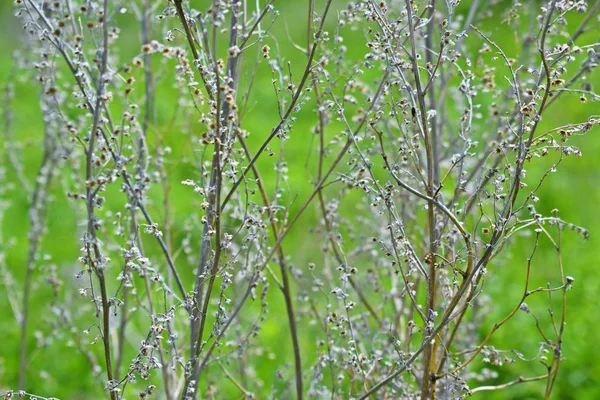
240,191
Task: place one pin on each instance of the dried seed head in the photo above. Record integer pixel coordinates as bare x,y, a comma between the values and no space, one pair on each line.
265,51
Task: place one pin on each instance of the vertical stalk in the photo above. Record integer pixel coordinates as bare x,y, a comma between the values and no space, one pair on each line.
36,211
427,385
97,263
